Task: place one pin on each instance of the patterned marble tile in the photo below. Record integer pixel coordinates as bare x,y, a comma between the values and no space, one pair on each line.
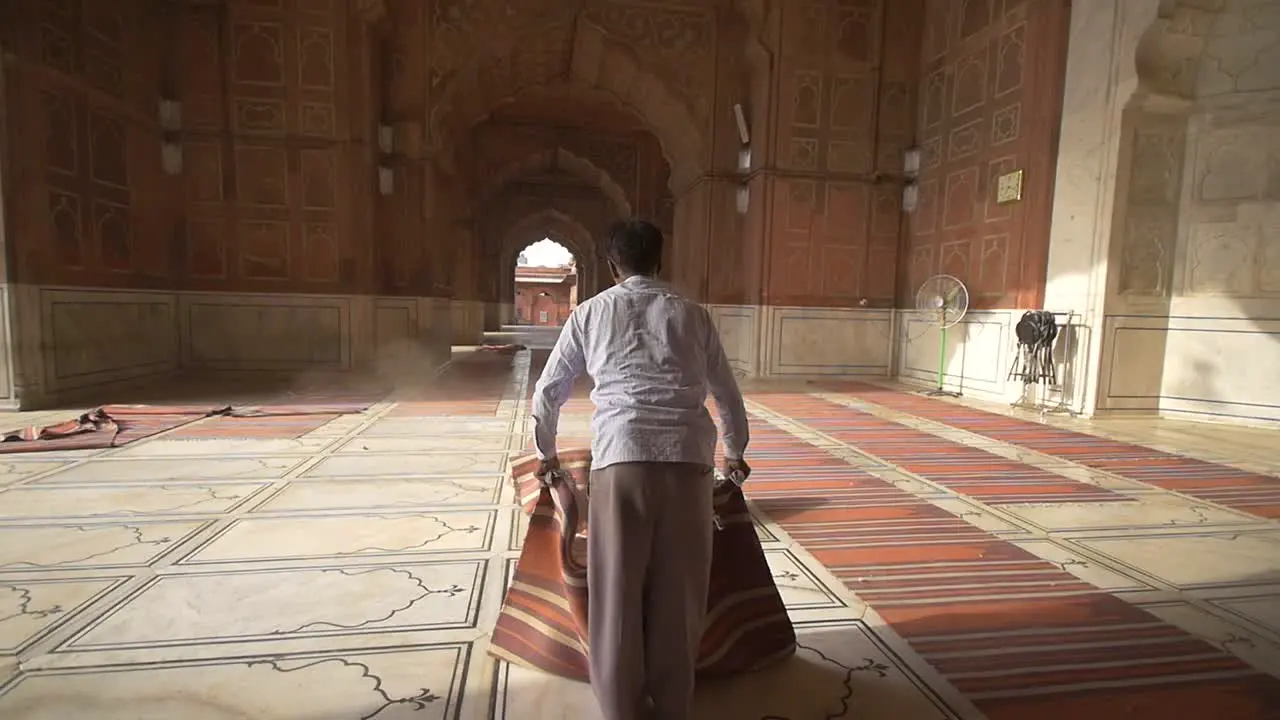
800,588
383,494
54,501
30,608
346,466
423,681
347,537
267,467
1187,560
1143,512
105,545
841,670
435,426
189,448
260,605
437,444
14,469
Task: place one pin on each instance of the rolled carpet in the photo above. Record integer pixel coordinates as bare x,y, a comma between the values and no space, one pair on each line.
543,623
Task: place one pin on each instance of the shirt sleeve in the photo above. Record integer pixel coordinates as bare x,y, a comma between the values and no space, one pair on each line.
724,388
565,364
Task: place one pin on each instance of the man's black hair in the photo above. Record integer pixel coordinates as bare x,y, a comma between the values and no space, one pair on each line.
635,247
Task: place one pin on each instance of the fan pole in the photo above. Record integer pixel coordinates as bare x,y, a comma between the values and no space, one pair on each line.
941,390
942,361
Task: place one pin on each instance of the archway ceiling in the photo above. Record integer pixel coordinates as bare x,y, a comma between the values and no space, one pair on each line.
554,166
670,88
565,105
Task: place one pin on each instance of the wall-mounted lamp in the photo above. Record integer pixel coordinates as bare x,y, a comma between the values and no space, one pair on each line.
911,162
386,146
169,113
744,159
910,197
171,158
386,180
386,139
743,199
740,121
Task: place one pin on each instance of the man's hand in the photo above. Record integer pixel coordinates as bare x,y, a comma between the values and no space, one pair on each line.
546,467
737,470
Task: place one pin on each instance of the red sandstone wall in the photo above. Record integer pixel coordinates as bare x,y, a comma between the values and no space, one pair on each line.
278,178
275,192
990,89
87,204
844,103
530,301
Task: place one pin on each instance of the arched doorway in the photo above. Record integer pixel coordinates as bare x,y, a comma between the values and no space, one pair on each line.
546,283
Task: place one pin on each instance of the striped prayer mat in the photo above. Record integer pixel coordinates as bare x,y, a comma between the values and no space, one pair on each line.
543,623
1017,634
105,427
1228,486
964,469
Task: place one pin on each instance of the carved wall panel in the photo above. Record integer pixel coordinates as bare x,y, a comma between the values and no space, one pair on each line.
846,99
1147,246
990,97
83,140
271,158
680,39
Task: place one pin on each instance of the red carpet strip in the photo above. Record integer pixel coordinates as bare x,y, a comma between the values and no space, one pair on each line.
971,471
1230,487
1018,635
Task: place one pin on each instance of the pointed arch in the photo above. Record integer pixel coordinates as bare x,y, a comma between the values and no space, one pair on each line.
561,228
582,57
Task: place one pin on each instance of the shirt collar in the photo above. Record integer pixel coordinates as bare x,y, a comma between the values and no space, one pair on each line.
639,282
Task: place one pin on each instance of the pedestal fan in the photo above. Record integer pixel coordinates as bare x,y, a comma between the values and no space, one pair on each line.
944,300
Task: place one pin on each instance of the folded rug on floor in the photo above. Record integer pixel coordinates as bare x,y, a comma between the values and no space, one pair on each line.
543,623
105,427
115,425
502,349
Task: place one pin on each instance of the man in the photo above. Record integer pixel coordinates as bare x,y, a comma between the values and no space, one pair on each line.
653,357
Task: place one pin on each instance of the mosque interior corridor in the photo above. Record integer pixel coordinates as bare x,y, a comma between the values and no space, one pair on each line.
939,560
273,297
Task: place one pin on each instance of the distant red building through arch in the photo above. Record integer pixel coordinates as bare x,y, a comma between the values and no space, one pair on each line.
545,295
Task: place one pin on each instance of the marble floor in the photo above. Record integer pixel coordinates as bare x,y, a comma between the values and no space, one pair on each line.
937,563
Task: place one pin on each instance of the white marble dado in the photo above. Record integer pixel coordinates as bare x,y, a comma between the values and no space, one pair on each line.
468,321
1201,337
773,341
739,327
1212,367
93,338
90,338
265,332
6,343
981,349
